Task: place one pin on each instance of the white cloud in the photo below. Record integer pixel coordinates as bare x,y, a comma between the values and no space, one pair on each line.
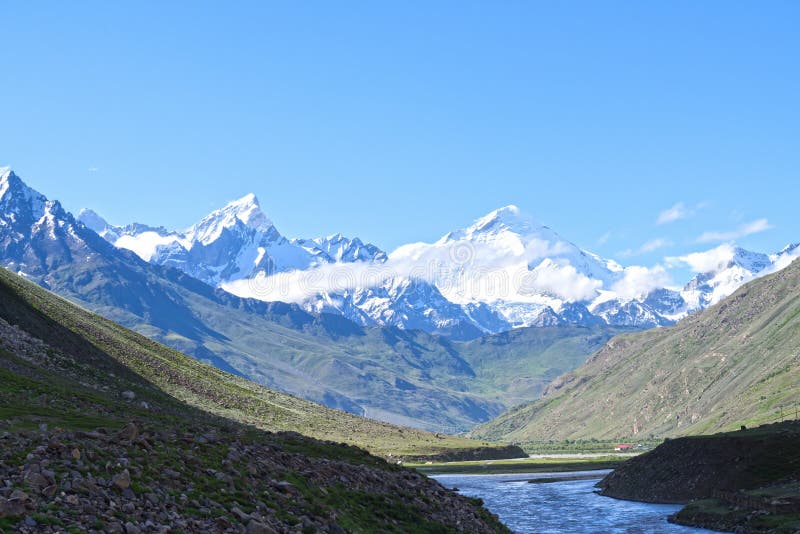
675,213
707,261
93,169
558,280
603,239
679,211
541,248
638,281
754,227
782,260
649,246
463,272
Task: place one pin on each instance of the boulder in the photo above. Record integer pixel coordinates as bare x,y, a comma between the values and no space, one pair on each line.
122,480
129,433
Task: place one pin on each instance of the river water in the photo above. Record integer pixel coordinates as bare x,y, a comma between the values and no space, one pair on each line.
563,507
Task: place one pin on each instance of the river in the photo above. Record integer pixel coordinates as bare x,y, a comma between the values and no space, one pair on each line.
563,507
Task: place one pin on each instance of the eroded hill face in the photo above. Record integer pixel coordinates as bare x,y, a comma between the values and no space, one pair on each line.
736,363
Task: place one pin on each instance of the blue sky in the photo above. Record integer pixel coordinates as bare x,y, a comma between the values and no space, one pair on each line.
400,121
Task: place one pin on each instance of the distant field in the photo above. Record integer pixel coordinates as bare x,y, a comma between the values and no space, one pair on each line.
522,465
586,446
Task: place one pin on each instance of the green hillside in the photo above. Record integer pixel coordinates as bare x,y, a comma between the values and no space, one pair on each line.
120,359
735,363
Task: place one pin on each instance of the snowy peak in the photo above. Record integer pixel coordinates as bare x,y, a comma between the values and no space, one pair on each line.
248,210
508,218
17,200
245,211
343,249
752,261
6,177
92,220
36,234
10,183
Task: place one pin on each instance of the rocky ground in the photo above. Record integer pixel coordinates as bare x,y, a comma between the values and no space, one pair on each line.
104,431
215,480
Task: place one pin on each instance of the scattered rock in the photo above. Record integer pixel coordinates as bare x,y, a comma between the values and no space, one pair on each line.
243,517
256,527
122,480
129,433
19,495
11,507
128,395
36,480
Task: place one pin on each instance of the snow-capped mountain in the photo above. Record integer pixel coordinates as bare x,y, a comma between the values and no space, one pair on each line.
238,247
503,271
233,243
729,268
524,271
36,234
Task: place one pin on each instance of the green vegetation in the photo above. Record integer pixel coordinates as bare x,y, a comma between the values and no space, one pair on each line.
736,363
720,515
523,465
585,446
516,366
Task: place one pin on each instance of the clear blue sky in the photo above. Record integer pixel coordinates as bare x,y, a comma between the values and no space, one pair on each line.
398,121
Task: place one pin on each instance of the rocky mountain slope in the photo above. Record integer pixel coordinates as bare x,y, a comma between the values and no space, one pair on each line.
402,376
104,430
735,363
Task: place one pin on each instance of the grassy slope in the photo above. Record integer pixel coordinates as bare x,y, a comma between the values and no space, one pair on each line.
516,366
734,363
124,353
61,409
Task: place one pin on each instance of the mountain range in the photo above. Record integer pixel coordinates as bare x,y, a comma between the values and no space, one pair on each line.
408,377
504,271
435,338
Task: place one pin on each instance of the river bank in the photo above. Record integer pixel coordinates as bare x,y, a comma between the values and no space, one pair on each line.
747,481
